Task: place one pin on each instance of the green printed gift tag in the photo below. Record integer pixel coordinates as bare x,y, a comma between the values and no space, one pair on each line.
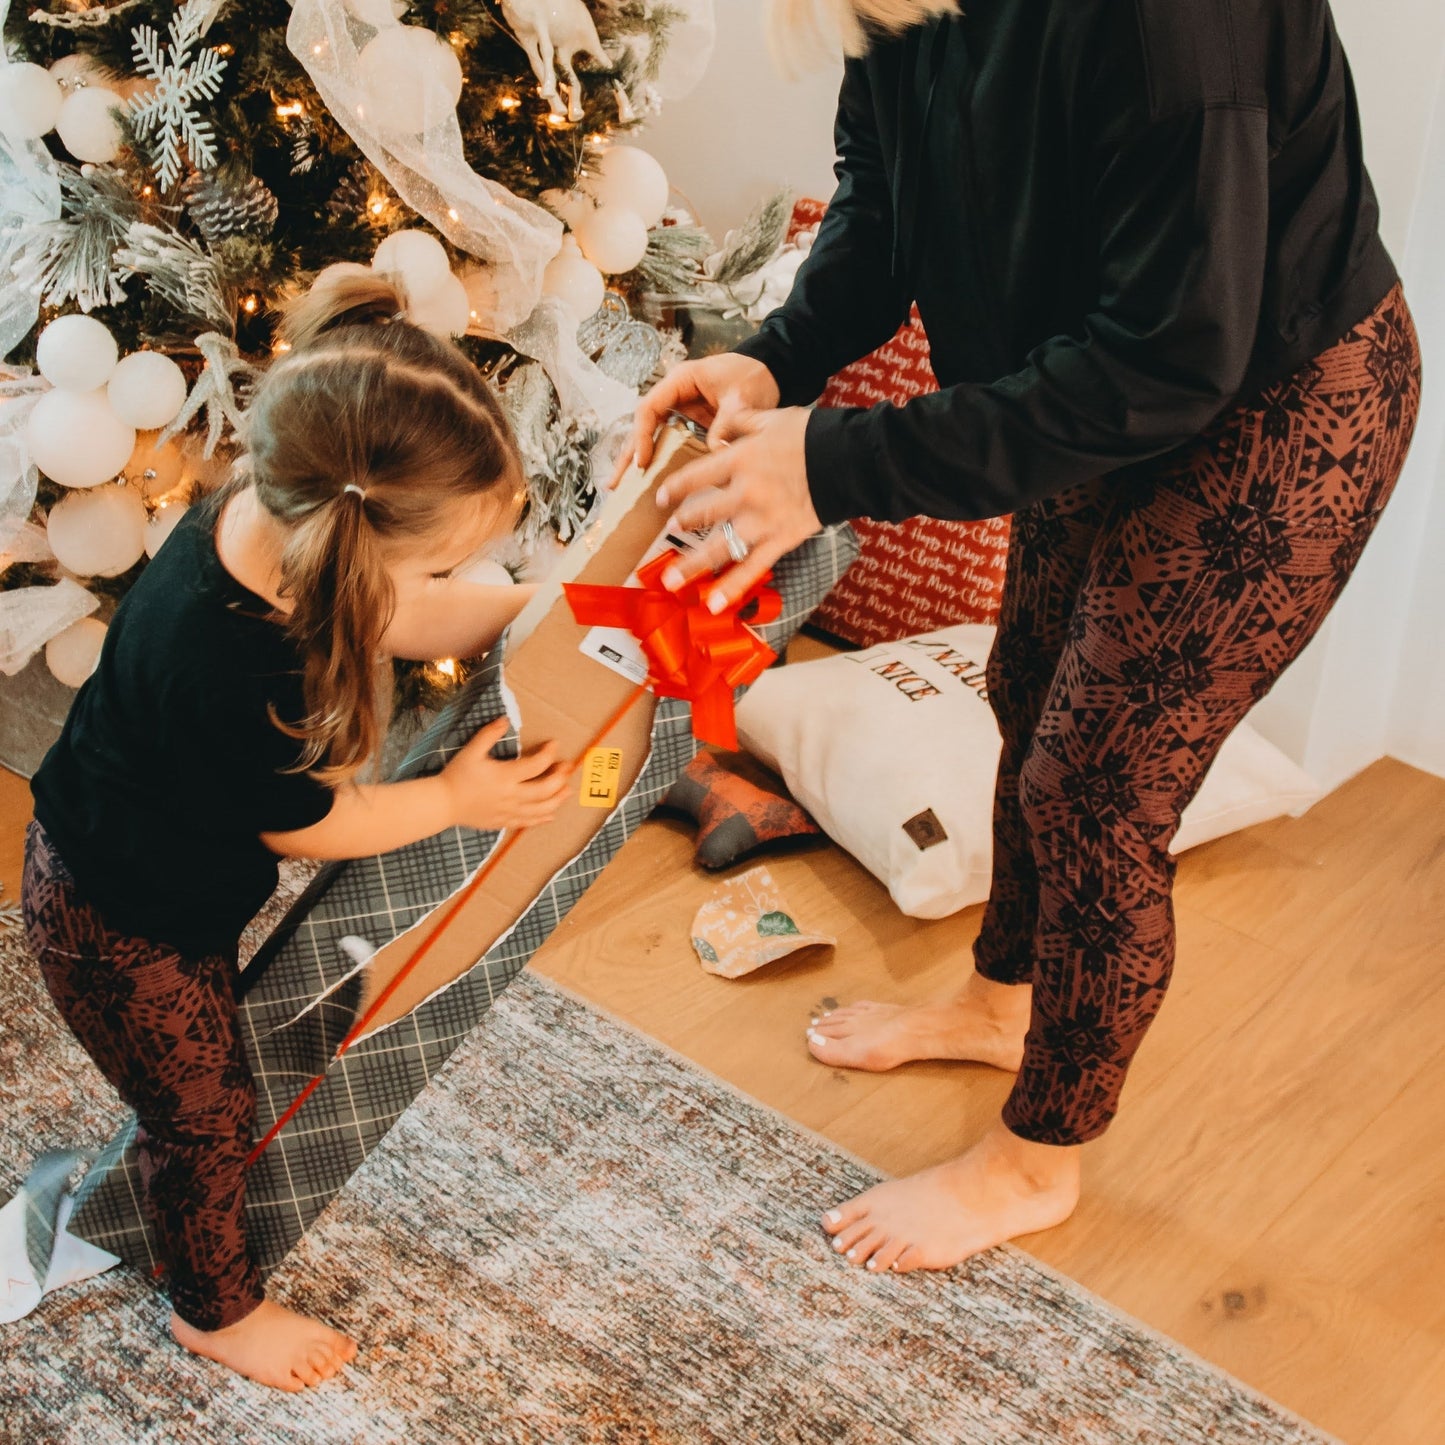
746,924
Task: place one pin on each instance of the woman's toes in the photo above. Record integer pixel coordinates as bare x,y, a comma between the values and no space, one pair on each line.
908,1259
844,1215
883,1258
869,1245
846,1238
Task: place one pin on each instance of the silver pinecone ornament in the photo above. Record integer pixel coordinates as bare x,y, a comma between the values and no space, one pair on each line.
221,206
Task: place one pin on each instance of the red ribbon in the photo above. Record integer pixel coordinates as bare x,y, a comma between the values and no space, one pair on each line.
691,653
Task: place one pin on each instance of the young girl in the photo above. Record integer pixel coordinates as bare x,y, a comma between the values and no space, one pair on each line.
234,707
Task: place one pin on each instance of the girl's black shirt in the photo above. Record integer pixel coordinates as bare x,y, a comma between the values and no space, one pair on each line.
169,767
1117,217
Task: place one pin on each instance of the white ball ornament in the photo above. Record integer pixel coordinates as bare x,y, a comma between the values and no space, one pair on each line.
77,353
160,526
419,259
89,124
444,312
100,533
567,206
612,238
155,469
574,281
71,72
146,390
72,655
412,80
480,284
30,99
625,176
77,440
379,14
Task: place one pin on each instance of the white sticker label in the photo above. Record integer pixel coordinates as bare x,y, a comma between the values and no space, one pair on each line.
615,647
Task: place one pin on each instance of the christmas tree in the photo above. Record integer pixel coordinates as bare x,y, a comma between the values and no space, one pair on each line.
170,173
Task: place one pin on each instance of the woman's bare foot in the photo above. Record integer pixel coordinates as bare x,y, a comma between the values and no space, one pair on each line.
272,1345
1003,1187
984,1023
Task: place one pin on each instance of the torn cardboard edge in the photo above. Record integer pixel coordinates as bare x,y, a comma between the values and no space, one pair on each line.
546,674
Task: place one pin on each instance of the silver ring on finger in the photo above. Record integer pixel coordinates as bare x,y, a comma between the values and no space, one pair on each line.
737,549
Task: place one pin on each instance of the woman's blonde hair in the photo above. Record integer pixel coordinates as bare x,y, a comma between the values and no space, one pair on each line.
361,440
803,30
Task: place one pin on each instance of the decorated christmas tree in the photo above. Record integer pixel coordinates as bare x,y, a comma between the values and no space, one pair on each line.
170,173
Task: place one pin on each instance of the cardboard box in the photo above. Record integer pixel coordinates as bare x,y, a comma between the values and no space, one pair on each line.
559,694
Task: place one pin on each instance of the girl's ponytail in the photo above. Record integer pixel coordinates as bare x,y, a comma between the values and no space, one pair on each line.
333,574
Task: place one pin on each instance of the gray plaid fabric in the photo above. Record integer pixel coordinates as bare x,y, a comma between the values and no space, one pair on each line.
291,1038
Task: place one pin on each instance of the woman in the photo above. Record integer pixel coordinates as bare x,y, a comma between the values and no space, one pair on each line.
1170,342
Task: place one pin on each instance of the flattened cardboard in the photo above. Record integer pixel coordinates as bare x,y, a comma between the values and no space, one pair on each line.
563,696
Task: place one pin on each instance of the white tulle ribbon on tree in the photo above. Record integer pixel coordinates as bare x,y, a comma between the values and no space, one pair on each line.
29,198
31,616
19,479
429,169
549,335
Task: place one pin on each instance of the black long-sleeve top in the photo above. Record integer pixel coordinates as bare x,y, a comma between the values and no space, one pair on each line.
1116,217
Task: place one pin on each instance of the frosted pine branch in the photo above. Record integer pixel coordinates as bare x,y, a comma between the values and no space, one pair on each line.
179,270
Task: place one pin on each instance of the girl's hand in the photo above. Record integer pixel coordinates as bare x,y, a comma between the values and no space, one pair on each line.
493,793
759,484
715,391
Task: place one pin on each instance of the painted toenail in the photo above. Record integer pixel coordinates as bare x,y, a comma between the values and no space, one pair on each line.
838,1245
835,1216
872,1264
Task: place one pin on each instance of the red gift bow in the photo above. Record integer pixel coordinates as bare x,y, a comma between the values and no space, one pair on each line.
691,654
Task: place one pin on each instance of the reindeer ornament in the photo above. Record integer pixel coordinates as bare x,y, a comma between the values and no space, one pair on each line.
554,33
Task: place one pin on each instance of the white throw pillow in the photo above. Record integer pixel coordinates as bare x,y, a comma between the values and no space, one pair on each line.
894,750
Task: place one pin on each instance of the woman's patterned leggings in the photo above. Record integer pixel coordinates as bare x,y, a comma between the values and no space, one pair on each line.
1143,616
162,1028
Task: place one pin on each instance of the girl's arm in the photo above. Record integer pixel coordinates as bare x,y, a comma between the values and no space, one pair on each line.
474,790
455,618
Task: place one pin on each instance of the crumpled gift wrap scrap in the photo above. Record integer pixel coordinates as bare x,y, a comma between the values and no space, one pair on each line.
746,924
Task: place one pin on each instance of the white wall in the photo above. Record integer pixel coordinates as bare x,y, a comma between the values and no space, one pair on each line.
745,132
1374,681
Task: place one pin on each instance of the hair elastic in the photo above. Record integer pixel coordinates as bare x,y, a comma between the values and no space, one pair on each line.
352,487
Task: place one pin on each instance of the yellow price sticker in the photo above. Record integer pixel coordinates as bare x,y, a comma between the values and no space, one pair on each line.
601,778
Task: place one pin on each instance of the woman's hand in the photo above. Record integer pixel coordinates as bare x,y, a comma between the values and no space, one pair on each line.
758,484
492,793
715,391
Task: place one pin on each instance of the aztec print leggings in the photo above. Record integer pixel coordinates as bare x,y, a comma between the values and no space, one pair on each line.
1143,616
162,1028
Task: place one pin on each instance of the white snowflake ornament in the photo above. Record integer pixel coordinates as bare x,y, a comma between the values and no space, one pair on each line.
182,78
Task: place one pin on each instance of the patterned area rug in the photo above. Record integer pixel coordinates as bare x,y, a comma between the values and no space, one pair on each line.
574,1235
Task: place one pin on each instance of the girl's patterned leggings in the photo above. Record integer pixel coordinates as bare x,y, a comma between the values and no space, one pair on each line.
162,1028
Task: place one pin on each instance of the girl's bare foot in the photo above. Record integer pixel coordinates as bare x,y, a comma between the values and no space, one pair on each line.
272,1345
1001,1188
984,1023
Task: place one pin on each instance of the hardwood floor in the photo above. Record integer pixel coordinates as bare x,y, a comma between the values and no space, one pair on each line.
1273,1192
